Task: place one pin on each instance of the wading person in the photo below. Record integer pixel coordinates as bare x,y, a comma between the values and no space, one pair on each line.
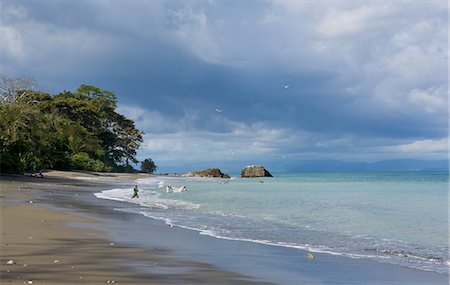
136,191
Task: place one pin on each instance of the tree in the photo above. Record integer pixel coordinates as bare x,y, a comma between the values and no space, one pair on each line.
13,88
107,135
128,138
148,166
79,129
22,134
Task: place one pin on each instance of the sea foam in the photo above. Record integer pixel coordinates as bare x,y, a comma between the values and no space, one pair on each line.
337,214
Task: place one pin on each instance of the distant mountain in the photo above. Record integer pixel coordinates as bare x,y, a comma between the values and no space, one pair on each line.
314,166
379,166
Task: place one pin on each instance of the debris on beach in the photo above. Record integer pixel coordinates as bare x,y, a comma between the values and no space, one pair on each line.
29,282
11,261
310,256
111,281
56,260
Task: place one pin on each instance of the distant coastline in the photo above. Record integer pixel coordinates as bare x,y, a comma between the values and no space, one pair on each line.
400,165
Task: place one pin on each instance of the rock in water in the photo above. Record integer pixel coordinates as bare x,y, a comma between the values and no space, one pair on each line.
210,172
255,171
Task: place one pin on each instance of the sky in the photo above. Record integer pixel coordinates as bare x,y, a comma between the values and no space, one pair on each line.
231,83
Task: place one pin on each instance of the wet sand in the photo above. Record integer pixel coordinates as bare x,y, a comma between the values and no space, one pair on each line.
67,236
56,246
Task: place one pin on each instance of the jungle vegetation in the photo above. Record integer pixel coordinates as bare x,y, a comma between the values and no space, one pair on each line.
78,130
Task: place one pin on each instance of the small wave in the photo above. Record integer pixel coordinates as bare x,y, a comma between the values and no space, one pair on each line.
222,227
117,194
148,199
426,263
403,253
150,181
176,204
393,256
307,247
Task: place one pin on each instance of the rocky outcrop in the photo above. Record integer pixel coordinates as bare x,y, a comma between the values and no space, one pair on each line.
255,171
210,172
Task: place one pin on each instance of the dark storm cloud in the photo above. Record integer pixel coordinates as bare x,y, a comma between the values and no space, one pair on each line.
274,78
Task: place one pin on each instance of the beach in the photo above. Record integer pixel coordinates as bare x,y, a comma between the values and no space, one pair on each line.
46,247
55,231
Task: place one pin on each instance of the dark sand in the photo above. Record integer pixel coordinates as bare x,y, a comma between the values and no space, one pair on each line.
92,240
68,245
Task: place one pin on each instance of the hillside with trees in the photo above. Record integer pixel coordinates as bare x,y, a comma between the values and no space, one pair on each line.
70,130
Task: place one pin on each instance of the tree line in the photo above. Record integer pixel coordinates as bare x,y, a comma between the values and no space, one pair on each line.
71,130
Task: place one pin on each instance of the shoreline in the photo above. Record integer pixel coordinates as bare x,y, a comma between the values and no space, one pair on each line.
184,246
69,244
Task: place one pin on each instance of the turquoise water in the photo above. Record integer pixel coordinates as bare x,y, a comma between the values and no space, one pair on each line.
400,218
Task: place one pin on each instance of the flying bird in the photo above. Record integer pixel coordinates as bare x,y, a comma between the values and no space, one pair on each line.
286,86
219,110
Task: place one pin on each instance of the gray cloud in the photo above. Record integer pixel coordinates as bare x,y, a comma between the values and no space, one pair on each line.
370,74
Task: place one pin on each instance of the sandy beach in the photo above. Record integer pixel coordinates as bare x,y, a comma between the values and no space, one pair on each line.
44,247
55,231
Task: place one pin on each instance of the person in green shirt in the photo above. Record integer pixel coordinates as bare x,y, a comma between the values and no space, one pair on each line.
136,190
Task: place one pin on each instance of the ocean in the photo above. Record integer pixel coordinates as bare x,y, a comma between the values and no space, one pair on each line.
399,218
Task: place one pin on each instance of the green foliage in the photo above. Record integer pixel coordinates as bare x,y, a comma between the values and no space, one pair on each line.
124,169
148,166
79,130
82,161
30,162
10,157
